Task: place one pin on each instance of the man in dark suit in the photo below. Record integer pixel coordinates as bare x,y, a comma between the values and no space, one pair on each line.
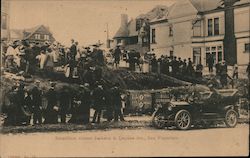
73,50
37,104
117,102
99,101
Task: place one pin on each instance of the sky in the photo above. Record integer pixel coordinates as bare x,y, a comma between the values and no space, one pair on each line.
83,20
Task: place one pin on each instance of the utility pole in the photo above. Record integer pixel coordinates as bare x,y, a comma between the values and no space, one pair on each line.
107,40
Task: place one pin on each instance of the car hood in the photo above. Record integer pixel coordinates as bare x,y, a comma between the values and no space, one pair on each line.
179,103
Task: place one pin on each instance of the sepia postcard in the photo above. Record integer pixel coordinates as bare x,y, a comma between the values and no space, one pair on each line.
124,78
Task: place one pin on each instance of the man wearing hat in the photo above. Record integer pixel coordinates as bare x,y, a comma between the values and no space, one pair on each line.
37,103
117,102
223,74
73,50
84,108
64,98
117,56
51,111
99,101
98,54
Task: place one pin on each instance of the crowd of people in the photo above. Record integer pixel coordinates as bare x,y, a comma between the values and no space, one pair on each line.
26,105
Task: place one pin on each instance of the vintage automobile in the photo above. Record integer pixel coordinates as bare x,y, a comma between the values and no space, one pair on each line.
202,108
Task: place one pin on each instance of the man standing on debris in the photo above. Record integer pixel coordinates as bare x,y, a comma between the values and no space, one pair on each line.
117,55
210,62
73,49
223,74
190,68
154,64
99,101
117,102
37,104
51,109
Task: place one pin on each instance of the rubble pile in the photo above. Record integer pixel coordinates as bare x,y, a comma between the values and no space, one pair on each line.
140,81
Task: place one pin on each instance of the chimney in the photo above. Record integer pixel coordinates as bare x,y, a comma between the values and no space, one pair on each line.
124,20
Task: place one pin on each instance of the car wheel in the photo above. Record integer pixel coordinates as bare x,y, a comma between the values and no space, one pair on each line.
158,120
183,120
231,118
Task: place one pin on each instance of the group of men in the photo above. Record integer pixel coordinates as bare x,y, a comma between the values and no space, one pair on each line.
26,105
169,65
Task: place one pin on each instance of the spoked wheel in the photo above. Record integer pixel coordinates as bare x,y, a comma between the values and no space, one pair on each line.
231,118
158,120
183,120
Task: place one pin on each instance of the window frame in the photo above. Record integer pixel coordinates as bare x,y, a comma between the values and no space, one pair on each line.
216,26
245,48
153,35
213,26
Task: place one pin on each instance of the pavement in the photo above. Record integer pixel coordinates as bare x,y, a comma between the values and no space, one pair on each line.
132,122
128,142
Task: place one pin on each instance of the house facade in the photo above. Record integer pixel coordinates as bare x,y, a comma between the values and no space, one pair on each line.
135,33
195,28
38,34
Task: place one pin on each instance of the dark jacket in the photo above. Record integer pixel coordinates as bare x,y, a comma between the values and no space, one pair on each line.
37,98
99,98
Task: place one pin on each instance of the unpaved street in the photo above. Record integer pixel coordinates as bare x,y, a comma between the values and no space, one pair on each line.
130,142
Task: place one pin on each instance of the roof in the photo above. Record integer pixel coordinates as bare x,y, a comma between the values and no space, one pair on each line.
32,30
16,34
206,5
130,29
25,33
122,32
158,11
163,16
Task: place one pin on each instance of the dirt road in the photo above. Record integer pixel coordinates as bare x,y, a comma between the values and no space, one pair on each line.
130,142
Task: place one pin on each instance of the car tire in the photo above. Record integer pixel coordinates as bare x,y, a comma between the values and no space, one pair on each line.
158,120
231,118
183,120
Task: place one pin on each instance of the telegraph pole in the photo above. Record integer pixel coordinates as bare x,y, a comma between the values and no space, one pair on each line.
107,40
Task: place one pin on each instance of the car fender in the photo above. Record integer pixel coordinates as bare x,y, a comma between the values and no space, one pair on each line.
228,107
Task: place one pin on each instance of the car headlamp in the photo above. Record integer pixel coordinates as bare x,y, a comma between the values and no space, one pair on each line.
170,108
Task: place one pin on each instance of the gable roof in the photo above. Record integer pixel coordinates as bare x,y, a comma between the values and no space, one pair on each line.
122,32
130,29
29,32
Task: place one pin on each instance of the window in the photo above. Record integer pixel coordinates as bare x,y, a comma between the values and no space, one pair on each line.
213,27
210,27
247,47
46,37
37,36
216,26
3,21
197,56
217,53
170,30
197,28
171,53
153,36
